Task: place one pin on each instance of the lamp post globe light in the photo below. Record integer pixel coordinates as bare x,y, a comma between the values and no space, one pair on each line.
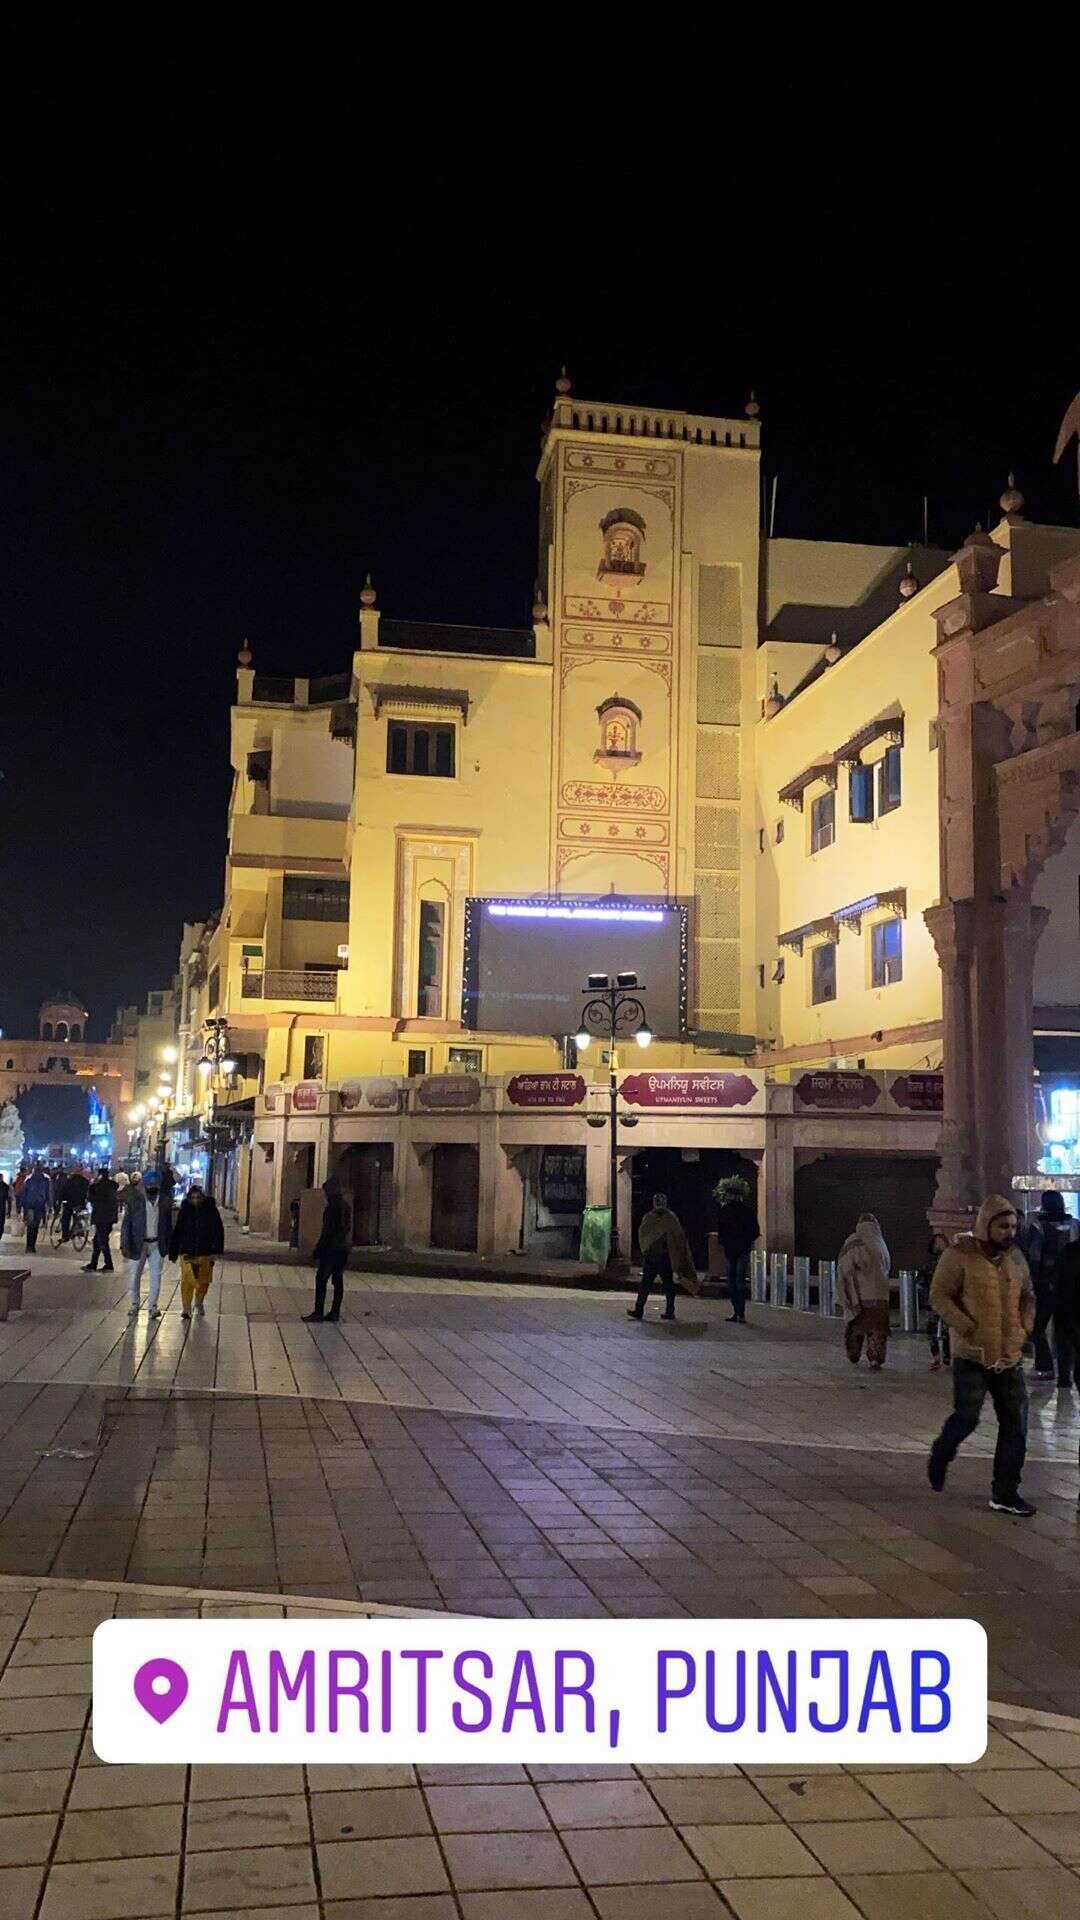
613,1010
216,1068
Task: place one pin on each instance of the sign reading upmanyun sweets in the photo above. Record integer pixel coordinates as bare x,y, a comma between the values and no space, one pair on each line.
838,1092
692,1089
546,1090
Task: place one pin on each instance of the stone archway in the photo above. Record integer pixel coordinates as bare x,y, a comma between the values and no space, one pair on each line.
1009,789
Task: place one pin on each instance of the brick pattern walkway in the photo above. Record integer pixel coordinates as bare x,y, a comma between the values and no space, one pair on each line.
84,1841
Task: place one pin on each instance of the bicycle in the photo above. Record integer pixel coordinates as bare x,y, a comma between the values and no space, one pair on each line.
80,1229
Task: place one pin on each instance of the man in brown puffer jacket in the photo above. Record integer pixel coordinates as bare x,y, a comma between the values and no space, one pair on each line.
982,1290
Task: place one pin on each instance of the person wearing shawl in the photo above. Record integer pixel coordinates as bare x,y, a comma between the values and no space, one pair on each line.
665,1256
863,1272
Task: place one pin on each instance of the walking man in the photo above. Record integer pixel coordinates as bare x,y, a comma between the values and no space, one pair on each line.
331,1250
863,1272
104,1212
73,1196
737,1227
144,1239
35,1204
1043,1241
1067,1298
198,1236
665,1256
982,1290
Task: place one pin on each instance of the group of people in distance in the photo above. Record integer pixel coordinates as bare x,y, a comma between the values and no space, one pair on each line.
153,1228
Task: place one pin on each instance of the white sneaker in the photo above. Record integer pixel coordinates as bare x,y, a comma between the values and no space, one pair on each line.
200,1310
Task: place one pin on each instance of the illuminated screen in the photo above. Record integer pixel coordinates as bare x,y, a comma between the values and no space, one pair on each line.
527,961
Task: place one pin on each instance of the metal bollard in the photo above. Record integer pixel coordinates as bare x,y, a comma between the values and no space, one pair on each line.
909,1302
778,1280
800,1290
758,1271
826,1281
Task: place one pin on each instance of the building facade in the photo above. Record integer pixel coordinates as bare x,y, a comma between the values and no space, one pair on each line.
697,715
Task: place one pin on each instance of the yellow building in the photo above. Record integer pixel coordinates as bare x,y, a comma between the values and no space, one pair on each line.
697,716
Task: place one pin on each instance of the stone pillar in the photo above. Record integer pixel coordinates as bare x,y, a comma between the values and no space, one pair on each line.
1014,1136
776,1191
952,929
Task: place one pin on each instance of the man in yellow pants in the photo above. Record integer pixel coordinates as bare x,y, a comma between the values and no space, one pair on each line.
198,1236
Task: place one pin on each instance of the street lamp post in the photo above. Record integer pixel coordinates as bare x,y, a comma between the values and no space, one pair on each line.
216,1066
613,1011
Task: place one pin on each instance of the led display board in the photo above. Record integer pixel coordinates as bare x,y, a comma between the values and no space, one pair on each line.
528,961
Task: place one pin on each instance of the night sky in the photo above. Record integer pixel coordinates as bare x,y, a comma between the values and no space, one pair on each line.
244,363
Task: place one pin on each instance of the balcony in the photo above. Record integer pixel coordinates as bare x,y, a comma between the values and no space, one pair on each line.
289,983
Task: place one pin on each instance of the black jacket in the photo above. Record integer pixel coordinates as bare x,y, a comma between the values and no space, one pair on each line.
76,1187
335,1236
197,1231
1067,1289
105,1202
738,1228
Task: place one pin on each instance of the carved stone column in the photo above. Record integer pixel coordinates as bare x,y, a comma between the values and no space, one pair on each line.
952,929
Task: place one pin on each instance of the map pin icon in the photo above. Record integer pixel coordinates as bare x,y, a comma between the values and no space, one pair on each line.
160,1688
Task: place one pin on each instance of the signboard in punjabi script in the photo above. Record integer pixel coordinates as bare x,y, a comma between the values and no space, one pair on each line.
546,1090
714,1090
305,1096
562,1179
918,1092
448,1090
380,1095
838,1092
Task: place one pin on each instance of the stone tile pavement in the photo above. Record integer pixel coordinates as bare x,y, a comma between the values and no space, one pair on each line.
83,1841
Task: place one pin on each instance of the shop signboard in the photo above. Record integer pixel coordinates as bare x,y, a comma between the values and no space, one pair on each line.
715,1091
274,1099
443,1092
562,1179
918,1092
546,1090
380,1095
837,1091
305,1096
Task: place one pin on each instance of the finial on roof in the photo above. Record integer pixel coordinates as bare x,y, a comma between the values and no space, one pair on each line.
775,700
245,656
752,408
367,593
539,603
833,650
909,585
1012,500
562,384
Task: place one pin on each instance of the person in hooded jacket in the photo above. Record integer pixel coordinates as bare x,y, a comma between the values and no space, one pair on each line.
198,1236
331,1251
982,1289
863,1273
36,1196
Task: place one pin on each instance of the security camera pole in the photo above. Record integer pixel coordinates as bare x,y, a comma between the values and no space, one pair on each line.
613,1010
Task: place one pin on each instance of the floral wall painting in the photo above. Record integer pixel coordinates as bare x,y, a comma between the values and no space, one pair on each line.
619,721
623,532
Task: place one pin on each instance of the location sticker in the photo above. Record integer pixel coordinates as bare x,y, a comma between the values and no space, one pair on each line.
161,1687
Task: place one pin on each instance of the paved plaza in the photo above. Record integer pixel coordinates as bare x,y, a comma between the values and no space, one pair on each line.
471,1447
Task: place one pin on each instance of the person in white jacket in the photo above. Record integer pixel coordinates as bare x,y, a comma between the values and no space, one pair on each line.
863,1272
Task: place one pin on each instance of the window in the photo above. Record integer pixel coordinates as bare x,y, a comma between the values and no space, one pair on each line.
213,988
431,944
154,1003
419,748
304,897
417,1062
888,781
861,794
779,831
761,975
823,973
465,1059
887,953
314,1055
822,821
761,840
778,972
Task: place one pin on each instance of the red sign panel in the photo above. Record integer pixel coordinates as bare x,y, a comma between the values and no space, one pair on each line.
838,1092
381,1095
272,1100
546,1090
445,1090
305,1096
688,1089
919,1092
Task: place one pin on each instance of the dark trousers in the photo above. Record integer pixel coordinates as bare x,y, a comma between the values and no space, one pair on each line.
1044,1307
656,1265
971,1384
34,1218
1068,1359
738,1278
101,1245
331,1267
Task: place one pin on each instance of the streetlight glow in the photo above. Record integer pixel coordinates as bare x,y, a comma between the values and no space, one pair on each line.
581,1040
643,1036
169,1054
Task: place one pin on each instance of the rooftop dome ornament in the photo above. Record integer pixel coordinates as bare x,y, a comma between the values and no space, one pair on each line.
245,655
909,585
833,651
367,593
1012,501
1070,429
539,603
752,408
775,700
562,384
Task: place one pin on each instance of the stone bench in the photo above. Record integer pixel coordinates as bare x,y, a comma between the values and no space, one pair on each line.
11,1286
